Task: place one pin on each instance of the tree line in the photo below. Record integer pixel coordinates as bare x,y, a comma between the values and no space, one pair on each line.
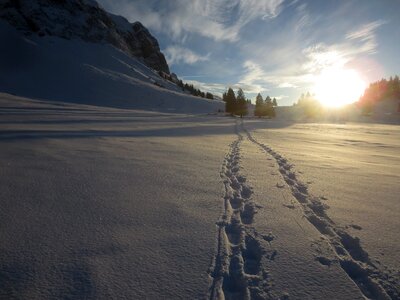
185,86
379,91
311,107
265,108
195,92
235,104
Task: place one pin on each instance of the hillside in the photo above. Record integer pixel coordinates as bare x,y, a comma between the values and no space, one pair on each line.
74,51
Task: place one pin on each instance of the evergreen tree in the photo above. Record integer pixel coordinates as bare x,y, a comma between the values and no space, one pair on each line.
241,103
396,87
180,84
310,106
274,103
259,105
209,96
378,91
269,110
230,102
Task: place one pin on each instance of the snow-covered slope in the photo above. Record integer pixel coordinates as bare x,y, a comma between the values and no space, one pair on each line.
85,20
66,64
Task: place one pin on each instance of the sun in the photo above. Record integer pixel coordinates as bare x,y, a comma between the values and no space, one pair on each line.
336,87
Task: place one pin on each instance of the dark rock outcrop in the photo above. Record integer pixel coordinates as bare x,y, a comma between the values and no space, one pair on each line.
86,20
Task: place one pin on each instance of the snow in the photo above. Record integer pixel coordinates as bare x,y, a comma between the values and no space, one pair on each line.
350,175
113,187
76,71
100,202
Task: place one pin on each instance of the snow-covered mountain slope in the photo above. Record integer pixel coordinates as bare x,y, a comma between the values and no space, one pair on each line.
74,64
85,20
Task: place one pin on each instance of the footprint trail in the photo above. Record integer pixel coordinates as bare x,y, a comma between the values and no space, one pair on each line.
374,282
237,269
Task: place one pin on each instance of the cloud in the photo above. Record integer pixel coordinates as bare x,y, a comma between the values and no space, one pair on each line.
215,19
257,79
304,18
134,11
254,45
177,54
253,80
365,37
280,97
215,88
306,63
356,43
286,85
366,32
320,56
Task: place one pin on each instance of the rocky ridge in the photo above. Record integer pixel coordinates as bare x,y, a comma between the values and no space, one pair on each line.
86,20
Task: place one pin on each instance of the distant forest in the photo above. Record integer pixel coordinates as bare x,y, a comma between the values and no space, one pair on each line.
265,108
379,91
185,86
235,104
238,104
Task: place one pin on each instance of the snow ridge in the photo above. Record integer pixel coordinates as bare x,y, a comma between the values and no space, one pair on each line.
237,270
85,20
373,281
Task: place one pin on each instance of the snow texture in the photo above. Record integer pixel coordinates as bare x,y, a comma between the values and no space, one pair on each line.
101,203
81,72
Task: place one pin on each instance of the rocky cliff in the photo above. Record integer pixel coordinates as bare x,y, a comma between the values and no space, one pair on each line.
86,20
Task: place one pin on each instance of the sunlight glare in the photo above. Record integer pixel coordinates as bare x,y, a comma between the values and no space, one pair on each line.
336,87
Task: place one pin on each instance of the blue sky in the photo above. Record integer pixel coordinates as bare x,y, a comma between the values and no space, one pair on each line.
276,47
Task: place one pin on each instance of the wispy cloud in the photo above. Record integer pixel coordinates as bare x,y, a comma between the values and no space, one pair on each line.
365,32
253,79
299,65
304,17
177,54
216,19
365,36
361,41
269,46
320,56
286,85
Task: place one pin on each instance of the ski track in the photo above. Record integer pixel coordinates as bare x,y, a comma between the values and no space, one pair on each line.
373,282
237,271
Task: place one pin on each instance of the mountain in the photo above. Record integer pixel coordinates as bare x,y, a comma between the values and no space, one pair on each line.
75,51
86,20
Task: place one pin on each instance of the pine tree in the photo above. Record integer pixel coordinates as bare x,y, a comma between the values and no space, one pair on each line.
269,110
259,105
380,91
310,106
274,103
241,103
230,102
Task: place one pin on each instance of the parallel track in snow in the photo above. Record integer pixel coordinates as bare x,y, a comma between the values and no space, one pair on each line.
237,271
373,282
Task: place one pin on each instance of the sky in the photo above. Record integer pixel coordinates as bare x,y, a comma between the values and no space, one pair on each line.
279,48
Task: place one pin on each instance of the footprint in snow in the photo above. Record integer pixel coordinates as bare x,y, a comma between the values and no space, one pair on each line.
280,185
